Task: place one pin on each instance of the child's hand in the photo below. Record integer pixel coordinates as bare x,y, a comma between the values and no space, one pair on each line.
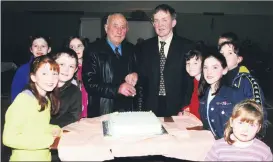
56,132
186,111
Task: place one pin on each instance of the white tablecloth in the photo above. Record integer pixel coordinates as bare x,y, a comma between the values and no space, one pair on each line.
85,141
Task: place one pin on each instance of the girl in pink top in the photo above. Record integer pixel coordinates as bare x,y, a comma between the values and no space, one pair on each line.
79,45
239,142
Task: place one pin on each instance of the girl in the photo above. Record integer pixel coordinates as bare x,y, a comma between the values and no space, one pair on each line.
239,142
27,130
193,67
70,95
215,98
79,46
39,45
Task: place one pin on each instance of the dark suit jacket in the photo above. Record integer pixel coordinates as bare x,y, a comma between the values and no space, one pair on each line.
178,84
98,78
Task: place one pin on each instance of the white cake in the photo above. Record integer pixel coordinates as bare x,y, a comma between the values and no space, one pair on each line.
134,124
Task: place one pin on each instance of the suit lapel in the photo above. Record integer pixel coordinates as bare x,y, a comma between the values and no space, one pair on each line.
155,59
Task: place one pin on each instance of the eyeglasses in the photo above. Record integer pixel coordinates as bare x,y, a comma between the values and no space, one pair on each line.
80,46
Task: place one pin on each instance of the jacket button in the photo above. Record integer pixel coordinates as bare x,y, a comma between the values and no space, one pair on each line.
223,112
212,120
212,109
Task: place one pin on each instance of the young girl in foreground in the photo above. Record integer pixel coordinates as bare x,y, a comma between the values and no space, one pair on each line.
27,130
239,142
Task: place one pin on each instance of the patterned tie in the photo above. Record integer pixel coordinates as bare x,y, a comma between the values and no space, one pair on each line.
162,64
117,52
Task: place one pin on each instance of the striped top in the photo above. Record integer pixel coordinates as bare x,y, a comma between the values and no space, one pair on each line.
222,151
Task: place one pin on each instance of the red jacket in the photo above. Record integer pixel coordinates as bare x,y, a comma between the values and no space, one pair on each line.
194,105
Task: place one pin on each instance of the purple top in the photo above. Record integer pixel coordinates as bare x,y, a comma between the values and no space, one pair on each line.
222,151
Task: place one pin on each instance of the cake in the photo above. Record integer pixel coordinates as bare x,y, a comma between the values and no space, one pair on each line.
134,124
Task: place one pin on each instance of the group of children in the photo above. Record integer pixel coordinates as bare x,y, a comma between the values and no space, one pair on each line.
226,98
228,101
48,89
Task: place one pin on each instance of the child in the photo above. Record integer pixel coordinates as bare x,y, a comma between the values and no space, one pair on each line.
70,94
27,129
239,76
79,45
39,46
239,142
227,37
193,67
215,97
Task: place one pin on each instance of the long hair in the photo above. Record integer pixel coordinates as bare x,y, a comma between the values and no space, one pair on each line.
203,85
53,96
250,112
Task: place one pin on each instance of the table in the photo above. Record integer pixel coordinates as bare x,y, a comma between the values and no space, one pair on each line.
85,141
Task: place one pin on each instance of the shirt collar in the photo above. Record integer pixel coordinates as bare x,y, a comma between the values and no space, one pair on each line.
113,46
168,40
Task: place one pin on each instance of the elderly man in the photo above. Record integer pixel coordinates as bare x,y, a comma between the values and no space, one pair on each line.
109,71
166,84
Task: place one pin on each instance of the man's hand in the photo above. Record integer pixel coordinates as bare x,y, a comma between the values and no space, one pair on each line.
131,78
127,89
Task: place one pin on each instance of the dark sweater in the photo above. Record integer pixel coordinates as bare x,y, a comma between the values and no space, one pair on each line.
71,105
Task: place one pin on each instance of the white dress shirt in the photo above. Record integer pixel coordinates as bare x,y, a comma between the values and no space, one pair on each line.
167,45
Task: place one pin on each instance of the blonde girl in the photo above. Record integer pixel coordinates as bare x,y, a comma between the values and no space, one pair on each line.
239,142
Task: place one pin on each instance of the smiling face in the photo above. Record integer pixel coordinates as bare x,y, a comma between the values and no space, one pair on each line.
67,67
244,131
213,70
116,28
39,47
77,45
163,24
193,66
45,79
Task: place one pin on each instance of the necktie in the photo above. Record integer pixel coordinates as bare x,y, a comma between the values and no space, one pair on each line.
162,64
117,52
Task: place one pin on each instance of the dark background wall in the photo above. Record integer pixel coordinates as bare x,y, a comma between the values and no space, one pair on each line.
18,26
253,20
196,21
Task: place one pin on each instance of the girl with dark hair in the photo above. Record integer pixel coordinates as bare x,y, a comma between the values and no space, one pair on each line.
215,97
79,45
70,94
240,142
27,130
193,61
39,45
